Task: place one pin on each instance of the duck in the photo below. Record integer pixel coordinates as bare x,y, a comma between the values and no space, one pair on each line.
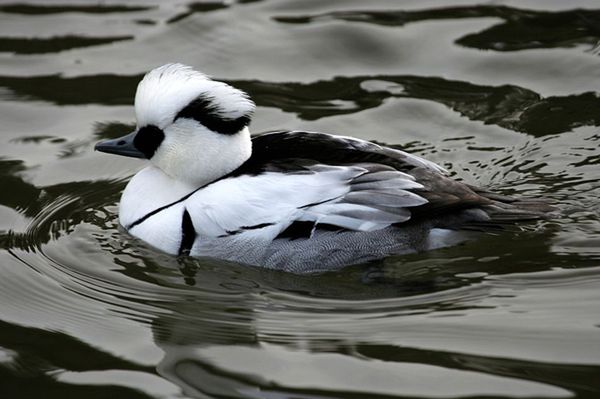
297,201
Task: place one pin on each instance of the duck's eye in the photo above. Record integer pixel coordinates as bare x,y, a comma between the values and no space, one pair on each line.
147,140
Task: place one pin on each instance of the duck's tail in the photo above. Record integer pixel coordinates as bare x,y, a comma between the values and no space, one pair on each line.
504,211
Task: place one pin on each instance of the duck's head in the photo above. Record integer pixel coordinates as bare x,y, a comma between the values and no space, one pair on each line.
191,127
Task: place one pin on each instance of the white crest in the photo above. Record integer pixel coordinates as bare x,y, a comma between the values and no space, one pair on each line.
166,90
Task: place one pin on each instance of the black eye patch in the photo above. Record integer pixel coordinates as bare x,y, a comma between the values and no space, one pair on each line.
147,140
204,111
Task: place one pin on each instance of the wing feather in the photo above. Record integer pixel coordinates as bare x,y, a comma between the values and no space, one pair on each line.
362,197
390,184
390,198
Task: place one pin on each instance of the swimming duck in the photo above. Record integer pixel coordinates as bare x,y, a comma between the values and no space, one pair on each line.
290,200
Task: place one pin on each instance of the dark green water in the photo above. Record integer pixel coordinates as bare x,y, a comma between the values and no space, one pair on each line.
504,94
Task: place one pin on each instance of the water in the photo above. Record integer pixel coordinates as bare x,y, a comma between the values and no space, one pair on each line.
504,94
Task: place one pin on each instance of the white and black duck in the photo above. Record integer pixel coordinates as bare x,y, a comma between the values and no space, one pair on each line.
290,200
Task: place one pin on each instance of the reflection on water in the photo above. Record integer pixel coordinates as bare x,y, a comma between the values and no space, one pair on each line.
521,29
511,107
54,44
44,9
88,311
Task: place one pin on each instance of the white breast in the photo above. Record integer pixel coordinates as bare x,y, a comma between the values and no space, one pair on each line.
162,230
148,190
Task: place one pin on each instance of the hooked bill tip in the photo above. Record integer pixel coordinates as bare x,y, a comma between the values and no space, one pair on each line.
120,146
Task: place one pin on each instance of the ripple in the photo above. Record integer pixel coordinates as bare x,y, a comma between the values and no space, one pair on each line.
198,8
39,9
522,29
18,45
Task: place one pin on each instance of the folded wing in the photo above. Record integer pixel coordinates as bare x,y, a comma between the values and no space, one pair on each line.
361,197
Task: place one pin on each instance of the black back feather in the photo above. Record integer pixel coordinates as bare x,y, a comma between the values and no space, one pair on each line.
283,146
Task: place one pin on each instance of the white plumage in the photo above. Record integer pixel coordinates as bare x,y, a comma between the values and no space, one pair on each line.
334,195
297,201
166,90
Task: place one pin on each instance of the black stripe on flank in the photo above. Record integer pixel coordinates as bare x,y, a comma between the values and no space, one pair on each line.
188,234
254,227
147,140
204,110
257,226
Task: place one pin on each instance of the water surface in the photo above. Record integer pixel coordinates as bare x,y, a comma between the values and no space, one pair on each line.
504,94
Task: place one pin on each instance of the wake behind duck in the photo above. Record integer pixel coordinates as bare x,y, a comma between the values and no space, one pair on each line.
290,200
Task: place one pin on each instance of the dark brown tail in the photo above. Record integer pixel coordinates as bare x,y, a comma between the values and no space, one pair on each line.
508,209
504,212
